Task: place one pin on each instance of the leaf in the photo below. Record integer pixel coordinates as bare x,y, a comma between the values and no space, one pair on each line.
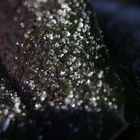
69,89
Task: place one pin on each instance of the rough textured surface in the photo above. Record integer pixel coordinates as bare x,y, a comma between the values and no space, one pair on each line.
62,84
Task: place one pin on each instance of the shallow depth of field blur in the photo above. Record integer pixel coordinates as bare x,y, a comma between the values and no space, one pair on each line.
69,69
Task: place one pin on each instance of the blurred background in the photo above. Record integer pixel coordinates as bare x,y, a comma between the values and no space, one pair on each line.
120,23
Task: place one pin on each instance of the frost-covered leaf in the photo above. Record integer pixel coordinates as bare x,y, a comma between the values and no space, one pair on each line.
64,77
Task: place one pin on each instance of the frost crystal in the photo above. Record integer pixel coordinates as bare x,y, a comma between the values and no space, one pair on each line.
63,67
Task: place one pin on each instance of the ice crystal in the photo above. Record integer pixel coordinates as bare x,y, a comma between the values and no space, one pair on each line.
65,67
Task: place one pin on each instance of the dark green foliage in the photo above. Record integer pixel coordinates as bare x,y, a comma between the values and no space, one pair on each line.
64,81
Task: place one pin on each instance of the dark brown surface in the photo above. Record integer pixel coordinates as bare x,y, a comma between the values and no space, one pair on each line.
12,14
